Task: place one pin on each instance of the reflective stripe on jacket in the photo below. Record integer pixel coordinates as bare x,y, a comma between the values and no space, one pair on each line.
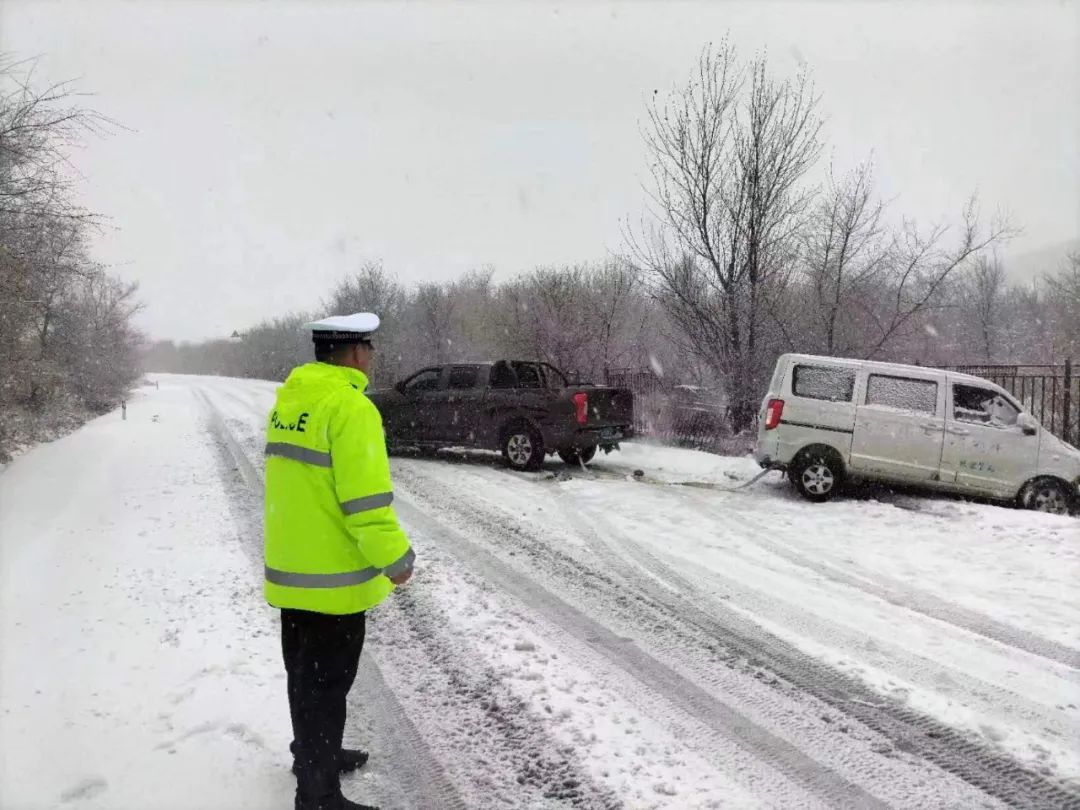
332,538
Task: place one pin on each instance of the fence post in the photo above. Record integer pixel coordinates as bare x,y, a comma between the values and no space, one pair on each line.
1066,427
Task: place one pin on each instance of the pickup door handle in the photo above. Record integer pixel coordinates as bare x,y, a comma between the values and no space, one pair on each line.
928,426
959,431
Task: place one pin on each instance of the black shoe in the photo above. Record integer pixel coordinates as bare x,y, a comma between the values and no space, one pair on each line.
351,760
339,802
348,760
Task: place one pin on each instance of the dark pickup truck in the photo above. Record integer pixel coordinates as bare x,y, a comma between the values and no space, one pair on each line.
526,410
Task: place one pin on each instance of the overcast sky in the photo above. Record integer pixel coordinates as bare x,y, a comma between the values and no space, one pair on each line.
274,146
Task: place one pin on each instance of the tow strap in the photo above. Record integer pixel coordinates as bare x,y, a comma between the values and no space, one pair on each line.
698,484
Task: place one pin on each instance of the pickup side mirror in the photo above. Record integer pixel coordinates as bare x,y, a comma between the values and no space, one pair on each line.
1028,423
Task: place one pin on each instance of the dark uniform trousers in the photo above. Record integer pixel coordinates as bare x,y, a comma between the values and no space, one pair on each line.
321,654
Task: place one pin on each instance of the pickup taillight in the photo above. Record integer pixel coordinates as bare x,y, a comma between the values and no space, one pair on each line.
773,412
581,403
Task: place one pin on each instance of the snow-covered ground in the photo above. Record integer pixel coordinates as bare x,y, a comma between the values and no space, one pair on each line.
571,639
138,664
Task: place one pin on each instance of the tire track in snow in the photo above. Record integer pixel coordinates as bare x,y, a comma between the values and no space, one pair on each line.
418,777
781,755
879,652
1028,711
522,739
913,667
489,723
881,586
774,787
899,594
1067,802
911,732
251,476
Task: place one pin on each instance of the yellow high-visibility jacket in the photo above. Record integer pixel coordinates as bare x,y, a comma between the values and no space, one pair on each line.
332,538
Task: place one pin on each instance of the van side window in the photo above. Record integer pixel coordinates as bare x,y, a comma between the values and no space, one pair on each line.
822,382
981,406
902,393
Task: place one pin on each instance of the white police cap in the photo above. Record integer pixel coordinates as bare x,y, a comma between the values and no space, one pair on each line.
344,328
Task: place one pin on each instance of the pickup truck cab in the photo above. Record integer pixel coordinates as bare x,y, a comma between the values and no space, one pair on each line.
827,418
526,410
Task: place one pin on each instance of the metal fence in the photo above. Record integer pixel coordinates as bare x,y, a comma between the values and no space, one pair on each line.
1050,392
686,415
648,389
638,380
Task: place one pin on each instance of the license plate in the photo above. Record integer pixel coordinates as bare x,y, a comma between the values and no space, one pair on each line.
610,433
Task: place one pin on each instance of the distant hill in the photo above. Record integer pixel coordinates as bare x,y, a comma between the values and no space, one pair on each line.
1024,268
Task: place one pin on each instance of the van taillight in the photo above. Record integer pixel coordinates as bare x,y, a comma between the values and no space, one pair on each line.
581,402
773,411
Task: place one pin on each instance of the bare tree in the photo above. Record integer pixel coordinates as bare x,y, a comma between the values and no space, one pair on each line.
1064,294
66,340
95,339
38,128
982,298
921,270
435,308
374,289
267,351
370,289
729,152
476,320
621,322
551,318
846,251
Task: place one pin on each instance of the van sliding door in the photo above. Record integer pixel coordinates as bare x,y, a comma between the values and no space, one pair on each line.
900,428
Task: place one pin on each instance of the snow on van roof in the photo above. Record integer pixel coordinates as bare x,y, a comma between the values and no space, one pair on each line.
856,363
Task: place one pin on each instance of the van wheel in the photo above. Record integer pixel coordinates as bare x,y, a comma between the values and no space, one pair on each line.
1047,495
576,457
817,475
523,447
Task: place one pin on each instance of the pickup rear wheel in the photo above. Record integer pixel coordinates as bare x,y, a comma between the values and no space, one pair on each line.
574,457
523,447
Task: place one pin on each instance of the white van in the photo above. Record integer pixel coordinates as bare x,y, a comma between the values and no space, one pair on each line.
826,419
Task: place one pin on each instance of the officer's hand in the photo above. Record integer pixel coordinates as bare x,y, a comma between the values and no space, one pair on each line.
401,579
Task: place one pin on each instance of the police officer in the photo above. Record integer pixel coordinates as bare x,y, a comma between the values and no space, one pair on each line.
334,548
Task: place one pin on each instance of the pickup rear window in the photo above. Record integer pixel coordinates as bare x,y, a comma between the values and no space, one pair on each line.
528,376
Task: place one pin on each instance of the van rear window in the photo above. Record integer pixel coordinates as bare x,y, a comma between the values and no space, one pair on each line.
824,382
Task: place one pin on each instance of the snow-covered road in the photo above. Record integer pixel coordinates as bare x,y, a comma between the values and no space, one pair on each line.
569,640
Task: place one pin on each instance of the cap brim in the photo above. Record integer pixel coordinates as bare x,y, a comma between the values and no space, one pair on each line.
327,336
